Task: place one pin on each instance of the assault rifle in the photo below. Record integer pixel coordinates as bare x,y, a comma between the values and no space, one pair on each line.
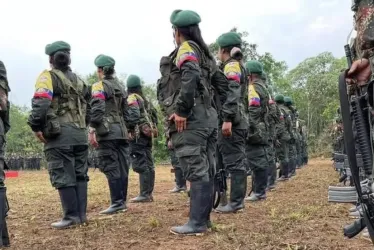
354,107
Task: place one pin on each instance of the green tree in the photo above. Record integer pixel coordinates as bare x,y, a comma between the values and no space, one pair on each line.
275,70
20,138
313,87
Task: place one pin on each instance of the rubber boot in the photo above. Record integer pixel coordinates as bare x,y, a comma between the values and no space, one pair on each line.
260,183
209,223
144,181
81,190
116,197
69,204
285,168
4,240
272,175
200,206
180,182
152,177
292,168
222,202
237,194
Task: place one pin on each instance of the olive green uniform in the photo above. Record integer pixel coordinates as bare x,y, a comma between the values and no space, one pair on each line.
108,118
273,120
4,128
284,129
258,137
142,118
59,111
293,143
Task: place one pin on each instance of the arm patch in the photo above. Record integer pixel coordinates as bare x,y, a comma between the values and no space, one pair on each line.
253,97
98,91
43,86
185,53
232,71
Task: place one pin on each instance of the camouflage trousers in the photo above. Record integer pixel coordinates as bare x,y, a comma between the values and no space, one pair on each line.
67,165
258,161
298,152
2,161
282,153
231,151
112,157
141,155
272,171
196,149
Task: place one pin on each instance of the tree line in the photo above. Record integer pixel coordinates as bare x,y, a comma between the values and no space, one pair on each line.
312,84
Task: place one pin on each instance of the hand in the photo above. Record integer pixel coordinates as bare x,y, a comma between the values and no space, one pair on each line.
170,145
360,72
180,122
92,140
40,136
277,143
131,136
226,129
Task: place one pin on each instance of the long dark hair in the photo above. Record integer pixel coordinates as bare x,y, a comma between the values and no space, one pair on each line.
60,60
193,33
108,71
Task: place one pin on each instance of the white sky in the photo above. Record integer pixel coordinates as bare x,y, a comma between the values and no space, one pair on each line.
138,33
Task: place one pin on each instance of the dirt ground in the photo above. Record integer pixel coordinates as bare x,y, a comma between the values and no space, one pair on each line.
295,216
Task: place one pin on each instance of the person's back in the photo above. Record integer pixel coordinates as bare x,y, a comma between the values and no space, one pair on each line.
58,119
108,132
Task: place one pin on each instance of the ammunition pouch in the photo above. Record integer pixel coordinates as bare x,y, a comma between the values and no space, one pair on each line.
103,129
258,134
52,128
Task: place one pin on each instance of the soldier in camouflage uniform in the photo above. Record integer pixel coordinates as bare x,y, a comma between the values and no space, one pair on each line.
4,128
284,131
180,178
233,121
142,126
58,119
273,120
258,131
292,152
108,133
185,98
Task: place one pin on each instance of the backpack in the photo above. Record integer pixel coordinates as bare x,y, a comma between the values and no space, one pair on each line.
169,85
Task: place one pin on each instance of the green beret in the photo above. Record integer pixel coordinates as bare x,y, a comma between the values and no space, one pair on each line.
279,98
184,18
287,100
229,39
52,48
104,61
254,67
133,81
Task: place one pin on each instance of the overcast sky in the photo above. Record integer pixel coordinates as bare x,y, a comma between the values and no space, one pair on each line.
137,33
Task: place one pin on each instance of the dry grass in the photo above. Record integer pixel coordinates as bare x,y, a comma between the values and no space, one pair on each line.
295,216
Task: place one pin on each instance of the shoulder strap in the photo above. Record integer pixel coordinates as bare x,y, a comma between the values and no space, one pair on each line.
66,80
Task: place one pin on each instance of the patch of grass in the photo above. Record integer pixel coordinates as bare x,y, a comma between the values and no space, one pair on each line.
154,222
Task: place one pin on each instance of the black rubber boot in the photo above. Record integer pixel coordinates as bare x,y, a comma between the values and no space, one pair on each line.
292,171
200,207
144,183
4,240
69,204
180,182
284,167
260,183
237,194
272,175
118,203
209,223
81,190
152,177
